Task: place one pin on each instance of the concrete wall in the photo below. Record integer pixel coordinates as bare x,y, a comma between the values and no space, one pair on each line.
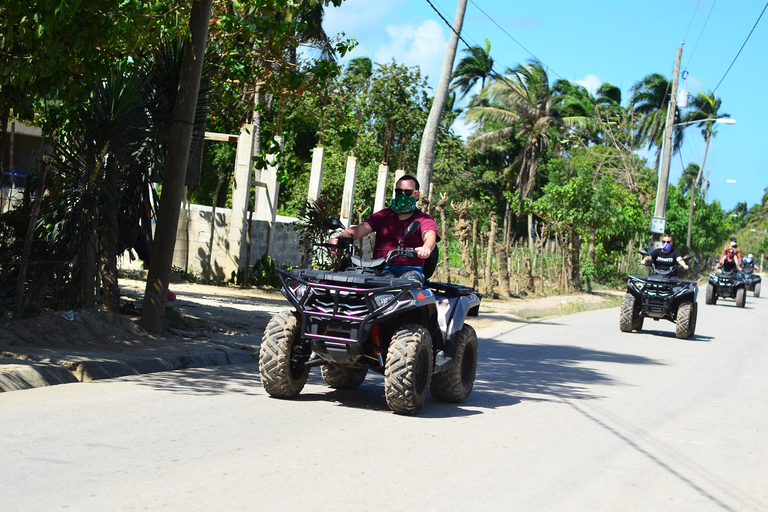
286,249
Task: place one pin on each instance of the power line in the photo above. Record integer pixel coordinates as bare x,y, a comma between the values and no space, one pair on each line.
512,38
461,38
700,33
742,47
692,18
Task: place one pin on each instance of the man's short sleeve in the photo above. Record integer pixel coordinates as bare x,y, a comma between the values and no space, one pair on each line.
429,224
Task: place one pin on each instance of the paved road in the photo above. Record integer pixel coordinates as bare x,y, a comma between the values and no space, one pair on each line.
568,413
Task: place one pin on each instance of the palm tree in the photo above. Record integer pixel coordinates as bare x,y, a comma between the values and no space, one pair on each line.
650,98
608,95
705,108
690,178
520,104
477,65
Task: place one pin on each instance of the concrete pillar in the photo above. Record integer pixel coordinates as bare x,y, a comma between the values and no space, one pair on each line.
241,186
316,176
381,189
348,198
268,189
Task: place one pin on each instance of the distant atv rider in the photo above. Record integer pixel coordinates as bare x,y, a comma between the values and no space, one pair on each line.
390,223
665,257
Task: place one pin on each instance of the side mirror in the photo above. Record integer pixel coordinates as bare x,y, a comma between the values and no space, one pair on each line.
687,257
412,227
332,223
643,252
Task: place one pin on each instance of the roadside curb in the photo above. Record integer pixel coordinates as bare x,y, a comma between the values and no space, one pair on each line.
21,371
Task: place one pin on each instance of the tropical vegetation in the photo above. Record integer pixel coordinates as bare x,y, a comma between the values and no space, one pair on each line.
549,194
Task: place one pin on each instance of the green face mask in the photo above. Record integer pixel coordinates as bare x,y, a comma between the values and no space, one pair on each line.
403,204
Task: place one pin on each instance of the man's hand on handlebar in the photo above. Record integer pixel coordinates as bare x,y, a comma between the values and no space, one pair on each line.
423,252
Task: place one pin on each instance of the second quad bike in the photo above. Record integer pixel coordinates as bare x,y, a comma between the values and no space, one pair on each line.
660,295
729,285
361,318
752,281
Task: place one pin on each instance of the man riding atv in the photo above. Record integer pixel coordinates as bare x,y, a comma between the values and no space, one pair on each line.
665,258
376,315
390,224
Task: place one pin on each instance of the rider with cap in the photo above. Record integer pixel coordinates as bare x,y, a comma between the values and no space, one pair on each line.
734,245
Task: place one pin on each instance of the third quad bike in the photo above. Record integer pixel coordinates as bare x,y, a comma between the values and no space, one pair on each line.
727,285
660,295
752,281
361,318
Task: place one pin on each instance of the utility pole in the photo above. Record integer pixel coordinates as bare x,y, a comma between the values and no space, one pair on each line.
658,223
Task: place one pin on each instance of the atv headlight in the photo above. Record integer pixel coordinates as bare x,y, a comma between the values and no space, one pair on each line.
297,289
383,299
640,285
713,278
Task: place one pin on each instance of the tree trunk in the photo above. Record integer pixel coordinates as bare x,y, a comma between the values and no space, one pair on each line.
475,277
501,258
18,306
440,207
429,138
463,231
108,243
530,231
155,296
575,267
208,269
489,256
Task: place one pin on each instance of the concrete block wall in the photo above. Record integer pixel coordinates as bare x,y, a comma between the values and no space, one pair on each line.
192,253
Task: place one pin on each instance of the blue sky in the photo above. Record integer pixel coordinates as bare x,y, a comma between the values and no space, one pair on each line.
602,41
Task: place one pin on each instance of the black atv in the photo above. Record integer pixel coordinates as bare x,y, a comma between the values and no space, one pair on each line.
729,285
361,318
660,295
751,280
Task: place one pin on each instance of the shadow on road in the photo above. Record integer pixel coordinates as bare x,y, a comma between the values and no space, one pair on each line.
544,372
507,374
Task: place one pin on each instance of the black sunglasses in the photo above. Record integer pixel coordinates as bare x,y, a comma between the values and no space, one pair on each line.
667,241
406,191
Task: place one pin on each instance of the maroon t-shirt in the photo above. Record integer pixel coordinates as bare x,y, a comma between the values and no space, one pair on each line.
389,228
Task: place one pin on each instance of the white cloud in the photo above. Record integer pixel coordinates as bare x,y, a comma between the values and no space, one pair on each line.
591,83
358,16
423,45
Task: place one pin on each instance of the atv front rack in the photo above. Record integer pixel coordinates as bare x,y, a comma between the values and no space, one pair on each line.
339,309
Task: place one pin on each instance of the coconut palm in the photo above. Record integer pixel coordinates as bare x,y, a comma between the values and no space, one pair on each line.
476,65
520,104
650,98
705,109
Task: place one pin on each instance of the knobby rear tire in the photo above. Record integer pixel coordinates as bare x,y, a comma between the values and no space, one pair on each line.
343,377
455,384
